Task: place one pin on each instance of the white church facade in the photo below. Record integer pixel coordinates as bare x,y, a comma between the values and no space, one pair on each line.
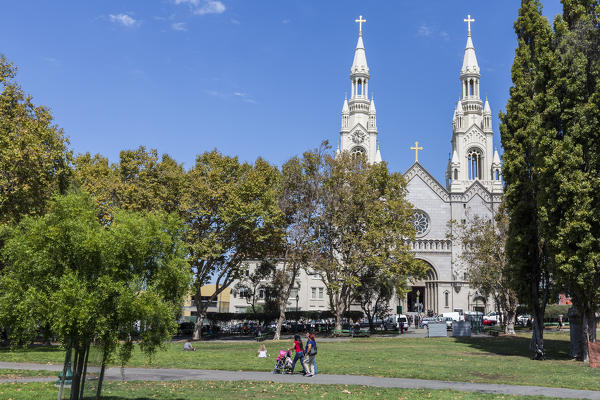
473,187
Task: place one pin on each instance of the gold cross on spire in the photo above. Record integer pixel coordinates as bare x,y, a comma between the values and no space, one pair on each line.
468,21
416,148
360,22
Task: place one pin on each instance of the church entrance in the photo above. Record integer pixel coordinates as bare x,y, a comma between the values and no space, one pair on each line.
414,299
423,295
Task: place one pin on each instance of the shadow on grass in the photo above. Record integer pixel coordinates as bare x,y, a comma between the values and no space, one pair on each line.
517,346
130,398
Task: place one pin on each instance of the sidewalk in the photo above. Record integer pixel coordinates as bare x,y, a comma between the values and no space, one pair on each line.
148,374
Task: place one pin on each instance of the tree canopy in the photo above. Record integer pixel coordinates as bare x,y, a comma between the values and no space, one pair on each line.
34,154
88,281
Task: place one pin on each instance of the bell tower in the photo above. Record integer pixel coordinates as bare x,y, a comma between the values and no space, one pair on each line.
473,155
358,133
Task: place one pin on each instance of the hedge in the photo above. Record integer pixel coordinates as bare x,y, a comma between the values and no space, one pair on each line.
289,315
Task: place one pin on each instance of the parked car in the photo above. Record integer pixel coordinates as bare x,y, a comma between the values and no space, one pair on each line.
493,316
392,322
425,321
449,321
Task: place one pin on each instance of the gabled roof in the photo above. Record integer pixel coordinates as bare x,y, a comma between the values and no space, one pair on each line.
418,170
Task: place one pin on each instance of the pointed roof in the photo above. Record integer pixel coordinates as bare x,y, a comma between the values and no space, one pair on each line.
345,108
372,106
359,65
378,155
459,109
486,108
496,159
470,59
454,157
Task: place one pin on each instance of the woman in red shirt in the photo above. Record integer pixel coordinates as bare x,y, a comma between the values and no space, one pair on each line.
299,353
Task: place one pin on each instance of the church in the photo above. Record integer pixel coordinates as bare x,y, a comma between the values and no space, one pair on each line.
473,182
473,187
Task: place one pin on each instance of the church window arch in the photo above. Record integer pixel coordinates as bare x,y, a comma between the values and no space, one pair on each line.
358,151
455,173
497,174
446,299
471,93
474,164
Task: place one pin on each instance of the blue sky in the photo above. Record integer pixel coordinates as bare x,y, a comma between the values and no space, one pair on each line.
254,78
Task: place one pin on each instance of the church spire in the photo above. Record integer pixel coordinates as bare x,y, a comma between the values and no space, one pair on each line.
470,65
358,134
470,75
359,72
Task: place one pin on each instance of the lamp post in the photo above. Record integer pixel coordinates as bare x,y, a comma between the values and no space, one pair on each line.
297,312
469,301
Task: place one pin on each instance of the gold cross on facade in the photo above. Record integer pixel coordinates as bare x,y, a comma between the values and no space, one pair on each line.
360,22
468,21
416,148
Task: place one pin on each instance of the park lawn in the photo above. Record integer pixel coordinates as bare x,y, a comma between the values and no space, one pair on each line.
21,373
191,390
500,359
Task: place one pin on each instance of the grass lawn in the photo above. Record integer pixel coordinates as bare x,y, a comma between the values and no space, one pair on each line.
238,390
18,373
490,359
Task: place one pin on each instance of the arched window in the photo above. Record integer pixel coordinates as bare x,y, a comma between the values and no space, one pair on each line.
497,174
471,92
474,161
358,151
446,299
455,174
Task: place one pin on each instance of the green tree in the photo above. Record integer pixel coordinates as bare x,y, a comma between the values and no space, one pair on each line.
34,154
251,284
570,201
91,282
232,214
299,198
364,224
522,128
375,291
139,182
484,253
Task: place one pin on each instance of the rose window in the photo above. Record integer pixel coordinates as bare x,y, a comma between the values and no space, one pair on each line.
420,221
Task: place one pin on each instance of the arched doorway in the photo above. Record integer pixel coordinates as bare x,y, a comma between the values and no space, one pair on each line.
423,294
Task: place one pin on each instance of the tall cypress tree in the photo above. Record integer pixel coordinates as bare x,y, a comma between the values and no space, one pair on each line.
522,128
570,172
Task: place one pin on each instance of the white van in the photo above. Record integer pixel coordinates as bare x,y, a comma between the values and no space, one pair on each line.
391,322
454,315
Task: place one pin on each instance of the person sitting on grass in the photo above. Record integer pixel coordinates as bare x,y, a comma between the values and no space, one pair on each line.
188,346
262,351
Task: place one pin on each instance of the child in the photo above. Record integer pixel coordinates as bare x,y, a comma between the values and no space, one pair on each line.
188,346
262,351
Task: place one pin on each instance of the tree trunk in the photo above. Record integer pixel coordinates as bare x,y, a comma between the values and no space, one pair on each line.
198,325
282,307
509,327
85,362
537,336
101,377
575,332
75,379
64,373
371,326
339,313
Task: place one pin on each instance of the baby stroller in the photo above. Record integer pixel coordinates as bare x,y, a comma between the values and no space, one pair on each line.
283,364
